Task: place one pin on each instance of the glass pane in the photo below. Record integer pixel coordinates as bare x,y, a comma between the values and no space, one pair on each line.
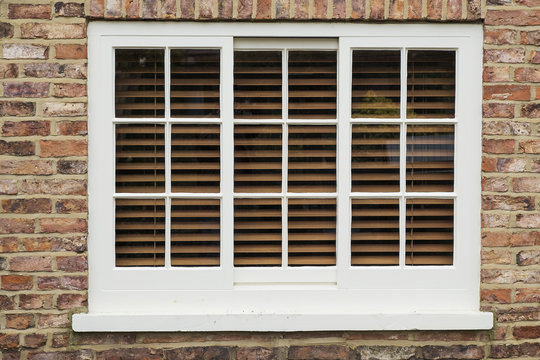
375,158
257,232
430,157
312,232
431,78
195,158
140,232
312,84
376,84
312,158
375,232
257,84
257,158
195,78
139,83
430,232
140,158
195,232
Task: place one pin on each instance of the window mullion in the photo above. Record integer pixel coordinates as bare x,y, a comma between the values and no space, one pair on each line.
285,159
403,159
167,75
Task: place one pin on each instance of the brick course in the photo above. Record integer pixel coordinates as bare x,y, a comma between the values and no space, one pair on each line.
43,184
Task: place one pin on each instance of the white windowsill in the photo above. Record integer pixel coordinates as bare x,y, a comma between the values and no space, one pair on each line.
112,322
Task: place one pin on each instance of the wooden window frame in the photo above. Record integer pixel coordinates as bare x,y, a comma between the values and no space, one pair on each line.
346,298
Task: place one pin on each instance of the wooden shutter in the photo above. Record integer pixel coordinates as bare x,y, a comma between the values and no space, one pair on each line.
257,232
312,232
312,84
195,229
375,158
195,83
376,84
257,84
375,232
195,158
430,232
140,232
430,158
140,158
257,158
431,77
312,158
139,83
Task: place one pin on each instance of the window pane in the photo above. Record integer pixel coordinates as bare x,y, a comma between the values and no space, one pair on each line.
139,83
257,84
312,158
195,232
140,232
375,232
195,158
430,158
257,158
257,232
431,77
195,83
312,84
140,158
375,158
312,232
376,84
430,232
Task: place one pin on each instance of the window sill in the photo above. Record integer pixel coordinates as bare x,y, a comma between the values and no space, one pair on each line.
113,322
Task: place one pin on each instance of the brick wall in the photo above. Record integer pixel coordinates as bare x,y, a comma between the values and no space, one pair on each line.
43,165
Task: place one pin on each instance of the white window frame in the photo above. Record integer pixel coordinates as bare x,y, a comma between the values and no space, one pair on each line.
342,298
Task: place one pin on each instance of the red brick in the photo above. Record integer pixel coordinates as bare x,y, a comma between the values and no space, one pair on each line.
529,146
225,8
35,301
500,36
60,340
453,352
103,339
71,243
70,51
454,10
526,184
26,89
53,31
72,263
511,203
318,352
528,221
187,9
168,9
512,17
72,127
16,282
499,351
16,108
55,70
501,296
512,55
473,9
26,167
69,90
27,206
415,9
8,71
259,353
33,341
530,111
13,226
495,110
489,164
210,353
8,341
359,9
525,238
507,92
59,148
434,9
70,9
506,128
63,225
7,302
19,321
527,332
206,9
30,263
511,165
149,9
113,9
377,335
53,320
132,8
6,30
496,74
530,37
531,3
495,220
139,354
26,128
376,10
496,146
17,148
527,75
339,10
70,301
63,355
69,206
8,244
54,187
24,11
64,109
528,257
301,9
72,167
245,8
62,282
528,295
496,256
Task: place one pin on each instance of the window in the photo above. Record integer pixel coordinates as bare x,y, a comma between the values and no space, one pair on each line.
242,179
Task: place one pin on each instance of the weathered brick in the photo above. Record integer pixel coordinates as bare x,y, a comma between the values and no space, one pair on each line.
527,75
53,31
63,225
259,353
511,165
496,73
70,301
60,148
25,51
525,238
530,37
473,9
206,10
512,17
322,352
70,51
8,187
64,109
500,351
376,10
500,36
434,9
69,90
453,352
16,108
26,11
507,92
496,256
26,167
500,296
30,263
33,341
8,244
529,221
62,282
27,206
16,282
70,9
530,3
506,128
64,355
531,111
54,187
19,321
103,339
14,226
26,89
384,352
8,70
512,55
495,110
16,148
6,30
301,9
132,8
528,295
35,301
53,320
526,184
70,243
60,340
454,10
26,128
497,146
225,8
97,7
8,341
495,220
7,302
497,276
320,9
189,353
168,9
54,70
245,8
72,263
339,10
358,9
529,146
377,335
149,9
72,167
134,354
512,203
528,257
68,206
113,9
